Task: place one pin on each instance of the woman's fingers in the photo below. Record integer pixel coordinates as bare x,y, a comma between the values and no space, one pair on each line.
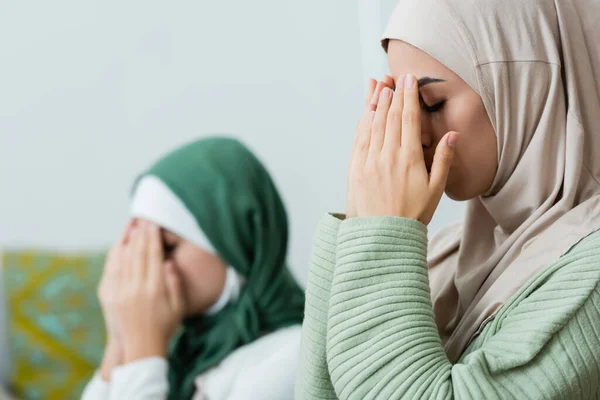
411,122
155,256
389,82
375,98
119,274
375,89
126,269
140,252
363,132
127,232
442,161
362,137
393,130
174,288
114,258
370,91
378,130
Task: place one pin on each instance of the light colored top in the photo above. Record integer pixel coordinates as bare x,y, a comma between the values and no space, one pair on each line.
369,330
263,369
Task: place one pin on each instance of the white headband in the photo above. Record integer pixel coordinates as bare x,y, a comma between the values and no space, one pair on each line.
154,201
231,291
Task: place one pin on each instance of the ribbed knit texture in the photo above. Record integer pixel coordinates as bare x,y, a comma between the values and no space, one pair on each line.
373,327
313,380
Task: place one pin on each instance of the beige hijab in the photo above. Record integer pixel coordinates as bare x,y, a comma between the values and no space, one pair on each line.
536,66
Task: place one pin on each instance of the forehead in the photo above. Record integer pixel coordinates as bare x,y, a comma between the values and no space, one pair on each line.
404,58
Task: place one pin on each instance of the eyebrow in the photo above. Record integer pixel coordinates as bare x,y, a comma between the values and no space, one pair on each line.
426,80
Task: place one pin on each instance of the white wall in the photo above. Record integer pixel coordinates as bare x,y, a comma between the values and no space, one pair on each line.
92,91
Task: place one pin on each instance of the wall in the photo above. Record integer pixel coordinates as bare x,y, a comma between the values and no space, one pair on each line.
92,91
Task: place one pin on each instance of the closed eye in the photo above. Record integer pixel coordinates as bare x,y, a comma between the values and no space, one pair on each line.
168,248
431,109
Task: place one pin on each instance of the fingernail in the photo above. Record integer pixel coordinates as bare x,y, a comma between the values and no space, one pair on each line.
452,139
410,81
371,116
400,84
386,93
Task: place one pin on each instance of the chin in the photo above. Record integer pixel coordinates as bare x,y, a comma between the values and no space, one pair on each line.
456,192
453,196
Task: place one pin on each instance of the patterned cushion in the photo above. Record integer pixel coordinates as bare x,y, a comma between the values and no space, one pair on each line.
56,329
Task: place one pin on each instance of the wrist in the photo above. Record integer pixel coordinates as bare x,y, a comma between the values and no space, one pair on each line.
144,347
113,357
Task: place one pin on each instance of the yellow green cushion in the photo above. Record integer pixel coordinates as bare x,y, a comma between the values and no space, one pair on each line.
56,329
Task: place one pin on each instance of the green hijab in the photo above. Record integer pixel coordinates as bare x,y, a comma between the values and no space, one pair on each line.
236,205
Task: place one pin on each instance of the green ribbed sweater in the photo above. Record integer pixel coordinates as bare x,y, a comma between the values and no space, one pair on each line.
369,330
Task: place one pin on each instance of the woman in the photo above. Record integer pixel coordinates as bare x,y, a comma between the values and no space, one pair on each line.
207,248
506,304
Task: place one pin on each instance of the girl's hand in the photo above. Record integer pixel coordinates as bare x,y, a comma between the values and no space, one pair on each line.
109,281
373,93
150,298
113,352
389,176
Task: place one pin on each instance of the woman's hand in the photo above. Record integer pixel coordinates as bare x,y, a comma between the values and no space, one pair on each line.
374,90
150,298
389,176
113,352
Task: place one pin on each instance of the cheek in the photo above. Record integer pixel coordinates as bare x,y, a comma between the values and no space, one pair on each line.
186,263
476,155
462,116
203,276
458,115
191,265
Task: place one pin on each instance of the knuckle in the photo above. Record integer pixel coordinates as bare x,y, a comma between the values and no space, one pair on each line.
405,167
411,157
363,144
385,162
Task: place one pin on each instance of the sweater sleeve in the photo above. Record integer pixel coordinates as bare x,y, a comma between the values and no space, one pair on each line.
312,380
383,343
144,379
